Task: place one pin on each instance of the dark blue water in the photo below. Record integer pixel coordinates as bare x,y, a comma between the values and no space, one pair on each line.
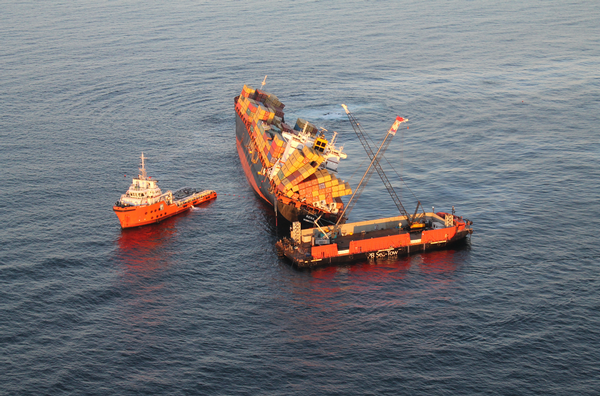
503,102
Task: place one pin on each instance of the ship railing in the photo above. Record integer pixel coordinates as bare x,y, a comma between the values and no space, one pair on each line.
139,188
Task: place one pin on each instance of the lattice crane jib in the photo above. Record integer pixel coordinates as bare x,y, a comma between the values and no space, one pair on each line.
375,165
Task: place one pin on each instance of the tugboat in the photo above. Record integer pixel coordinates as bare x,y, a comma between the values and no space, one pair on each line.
144,203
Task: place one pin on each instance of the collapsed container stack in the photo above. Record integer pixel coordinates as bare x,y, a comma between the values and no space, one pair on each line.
299,177
322,187
268,142
300,165
305,126
266,107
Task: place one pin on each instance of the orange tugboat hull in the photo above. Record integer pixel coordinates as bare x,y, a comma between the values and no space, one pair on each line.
136,216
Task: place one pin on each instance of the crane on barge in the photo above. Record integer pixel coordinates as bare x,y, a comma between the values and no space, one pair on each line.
371,239
375,165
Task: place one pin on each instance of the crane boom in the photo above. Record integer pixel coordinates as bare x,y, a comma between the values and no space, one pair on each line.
375,165
363,182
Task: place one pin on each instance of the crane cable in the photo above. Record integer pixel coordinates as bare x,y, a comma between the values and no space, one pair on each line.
389,163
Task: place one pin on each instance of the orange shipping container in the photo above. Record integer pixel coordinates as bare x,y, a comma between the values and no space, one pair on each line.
324,251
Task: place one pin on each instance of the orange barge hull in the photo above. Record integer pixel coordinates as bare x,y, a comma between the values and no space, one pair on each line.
370,240
136,216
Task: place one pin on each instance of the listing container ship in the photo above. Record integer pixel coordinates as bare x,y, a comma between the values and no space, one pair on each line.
144,203
292,168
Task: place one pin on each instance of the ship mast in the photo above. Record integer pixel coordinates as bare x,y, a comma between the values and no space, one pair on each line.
263,83
143,175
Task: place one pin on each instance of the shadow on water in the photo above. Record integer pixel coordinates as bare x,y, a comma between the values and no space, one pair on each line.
381,271
323,298
429,267
145,256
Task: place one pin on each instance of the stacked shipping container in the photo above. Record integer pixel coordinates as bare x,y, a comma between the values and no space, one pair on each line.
300,165
299,177
322,186
305,126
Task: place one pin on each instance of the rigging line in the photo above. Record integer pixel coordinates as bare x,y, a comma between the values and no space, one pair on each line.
389,163
357,169
401,179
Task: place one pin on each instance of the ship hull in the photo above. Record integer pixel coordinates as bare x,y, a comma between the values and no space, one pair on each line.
261,185
136,216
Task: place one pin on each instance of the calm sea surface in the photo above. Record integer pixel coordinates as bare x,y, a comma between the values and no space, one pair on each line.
504,108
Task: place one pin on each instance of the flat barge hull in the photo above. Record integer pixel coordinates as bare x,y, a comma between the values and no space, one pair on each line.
370,240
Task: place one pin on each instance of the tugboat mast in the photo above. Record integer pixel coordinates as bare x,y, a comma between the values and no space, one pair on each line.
143,175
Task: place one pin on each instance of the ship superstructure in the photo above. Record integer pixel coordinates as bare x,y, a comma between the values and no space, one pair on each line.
292,168
144,191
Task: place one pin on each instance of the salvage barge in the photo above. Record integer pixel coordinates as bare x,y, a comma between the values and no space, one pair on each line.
369,240
372,239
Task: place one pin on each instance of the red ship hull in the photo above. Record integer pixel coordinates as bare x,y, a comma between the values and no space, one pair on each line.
136,216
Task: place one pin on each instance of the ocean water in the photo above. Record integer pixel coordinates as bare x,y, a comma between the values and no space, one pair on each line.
503,101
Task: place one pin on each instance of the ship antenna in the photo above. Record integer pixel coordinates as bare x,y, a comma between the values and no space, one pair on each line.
143,174
263,83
